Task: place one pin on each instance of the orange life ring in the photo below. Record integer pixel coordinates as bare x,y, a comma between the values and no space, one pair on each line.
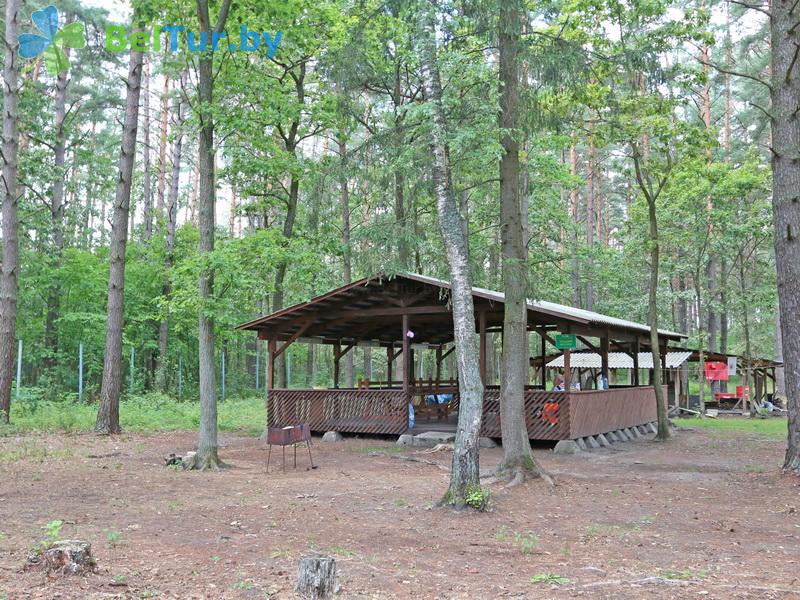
550,413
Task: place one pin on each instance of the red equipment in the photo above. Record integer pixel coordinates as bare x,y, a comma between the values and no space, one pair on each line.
716,371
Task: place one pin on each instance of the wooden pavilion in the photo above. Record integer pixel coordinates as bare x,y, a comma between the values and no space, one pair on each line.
405,310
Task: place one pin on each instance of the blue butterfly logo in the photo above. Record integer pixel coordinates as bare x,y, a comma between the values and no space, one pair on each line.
51,42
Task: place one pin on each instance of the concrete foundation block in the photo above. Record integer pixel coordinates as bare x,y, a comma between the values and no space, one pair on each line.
566,447
591,442
332,436
429,439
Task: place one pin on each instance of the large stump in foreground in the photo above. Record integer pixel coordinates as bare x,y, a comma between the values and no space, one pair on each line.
70,557
316,577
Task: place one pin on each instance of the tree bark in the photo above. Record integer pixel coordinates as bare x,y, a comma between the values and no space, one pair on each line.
162,151
573,209
9,276
207,456
147,194
465,472
108,413
785,95
57,217
651,196
517,462
347,261
172,218
590,216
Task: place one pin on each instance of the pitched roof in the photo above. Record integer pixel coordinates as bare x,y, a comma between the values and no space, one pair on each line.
371,309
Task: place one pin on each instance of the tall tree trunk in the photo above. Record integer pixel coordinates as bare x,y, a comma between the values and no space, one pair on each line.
172,219
108,413
403,249
194,183
147,194
207,456
57,218
590,215
162,151
517,462
785,95
9,276
465,473
651,196
573,209
347,266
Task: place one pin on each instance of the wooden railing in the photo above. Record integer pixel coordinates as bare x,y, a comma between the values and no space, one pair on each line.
548,415
348,411
600,411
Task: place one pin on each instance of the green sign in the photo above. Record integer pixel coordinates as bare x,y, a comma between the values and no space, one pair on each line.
566,341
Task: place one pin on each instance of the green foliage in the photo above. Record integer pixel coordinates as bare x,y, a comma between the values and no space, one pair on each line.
478,498
152,412
52,531
550,578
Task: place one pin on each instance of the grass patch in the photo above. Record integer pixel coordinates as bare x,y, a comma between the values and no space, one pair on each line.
32,450
772,427
685,574
550,578
152,412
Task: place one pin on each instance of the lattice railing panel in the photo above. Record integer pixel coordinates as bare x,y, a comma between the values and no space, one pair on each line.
347,411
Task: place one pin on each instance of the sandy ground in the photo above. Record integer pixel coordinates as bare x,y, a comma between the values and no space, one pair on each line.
707,514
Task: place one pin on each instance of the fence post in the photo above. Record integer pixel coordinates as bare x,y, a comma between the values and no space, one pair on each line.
130,379
19,367
180,376
223,375
80,372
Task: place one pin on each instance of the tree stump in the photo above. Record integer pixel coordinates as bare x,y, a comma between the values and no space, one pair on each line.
316,577
70,557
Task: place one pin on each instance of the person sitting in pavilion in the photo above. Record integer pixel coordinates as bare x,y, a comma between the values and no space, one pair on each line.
558,383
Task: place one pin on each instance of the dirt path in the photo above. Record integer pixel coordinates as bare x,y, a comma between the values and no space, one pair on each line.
707,514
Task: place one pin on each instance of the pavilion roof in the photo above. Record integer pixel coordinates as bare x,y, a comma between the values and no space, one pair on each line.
370,310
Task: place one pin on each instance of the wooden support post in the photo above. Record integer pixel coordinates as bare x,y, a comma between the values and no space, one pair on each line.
438,365
271,347
337,348
636,363
543,374
604,359
272,412
482,342
406,356
389,361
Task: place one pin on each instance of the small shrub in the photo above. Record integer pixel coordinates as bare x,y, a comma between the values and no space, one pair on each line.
526,542
113,538
52,532
478,498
